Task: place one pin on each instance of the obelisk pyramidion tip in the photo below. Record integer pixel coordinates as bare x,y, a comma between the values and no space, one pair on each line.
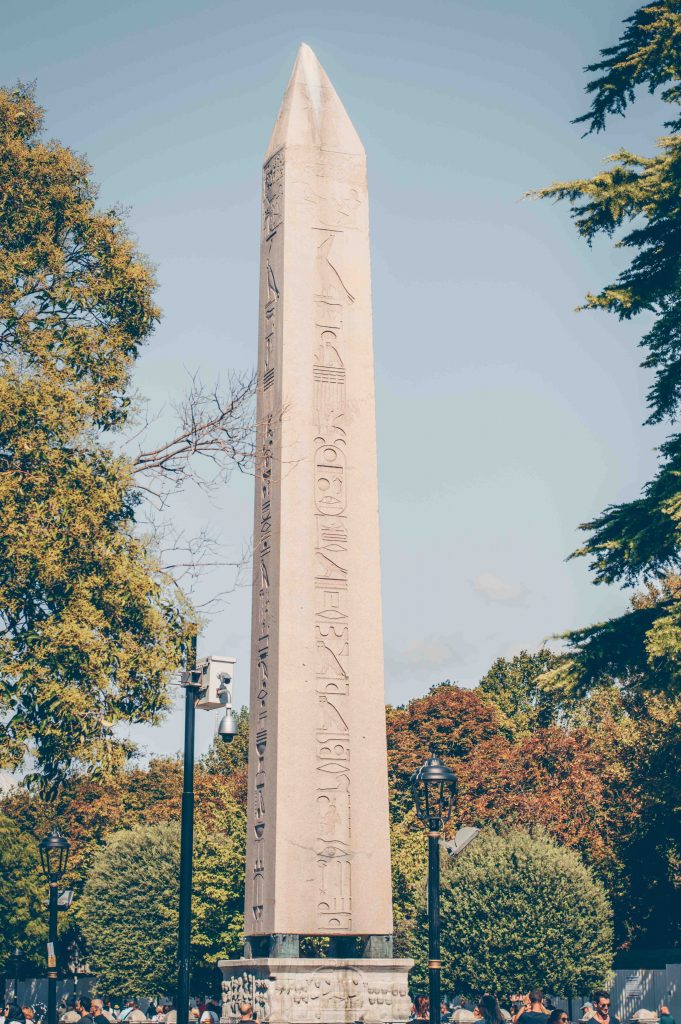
311,113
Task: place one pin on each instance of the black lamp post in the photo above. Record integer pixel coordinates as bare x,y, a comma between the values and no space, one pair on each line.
433,786
17,960
54,854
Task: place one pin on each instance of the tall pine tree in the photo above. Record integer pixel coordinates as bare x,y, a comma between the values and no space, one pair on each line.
638,200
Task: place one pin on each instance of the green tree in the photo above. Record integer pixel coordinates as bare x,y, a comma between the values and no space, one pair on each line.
90,625
128,912
637,198
23,894
518,910
230,760
409,860
513,687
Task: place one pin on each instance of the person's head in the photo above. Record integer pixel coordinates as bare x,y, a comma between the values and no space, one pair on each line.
535,996
85,1004
422,1006
96,1005
602,1003
488,1006
28,1012
246,1011
665,1010
558,1017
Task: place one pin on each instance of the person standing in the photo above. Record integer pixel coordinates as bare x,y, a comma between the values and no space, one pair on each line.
665,1016
536,1013
84,1007
99,1014
489,1010
422,1008
602,1013
70,1015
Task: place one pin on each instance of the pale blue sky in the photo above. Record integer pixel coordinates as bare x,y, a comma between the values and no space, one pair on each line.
504,418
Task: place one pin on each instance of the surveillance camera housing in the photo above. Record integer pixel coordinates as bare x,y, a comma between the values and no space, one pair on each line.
217,673
228,727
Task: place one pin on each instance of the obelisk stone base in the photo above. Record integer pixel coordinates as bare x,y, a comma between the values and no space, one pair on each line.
324,990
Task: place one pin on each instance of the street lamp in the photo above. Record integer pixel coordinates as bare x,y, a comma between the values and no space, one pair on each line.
54,855
208,686
433,787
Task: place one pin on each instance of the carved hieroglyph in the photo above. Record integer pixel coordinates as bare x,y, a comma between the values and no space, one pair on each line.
318,857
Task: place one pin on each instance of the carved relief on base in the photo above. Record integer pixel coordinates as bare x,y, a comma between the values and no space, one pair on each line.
306,991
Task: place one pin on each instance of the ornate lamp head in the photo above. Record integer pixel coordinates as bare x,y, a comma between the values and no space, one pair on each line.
54,854
433,787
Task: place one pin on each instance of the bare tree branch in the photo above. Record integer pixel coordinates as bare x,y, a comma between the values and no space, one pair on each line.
213,426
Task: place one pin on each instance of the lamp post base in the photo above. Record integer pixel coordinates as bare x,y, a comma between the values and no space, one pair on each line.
305,990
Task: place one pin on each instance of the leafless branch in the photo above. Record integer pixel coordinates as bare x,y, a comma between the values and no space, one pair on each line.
215,428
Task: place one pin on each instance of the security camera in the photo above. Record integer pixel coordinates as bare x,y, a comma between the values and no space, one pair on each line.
228,727
217,674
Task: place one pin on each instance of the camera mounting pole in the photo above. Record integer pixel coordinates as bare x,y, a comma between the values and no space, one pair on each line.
209,677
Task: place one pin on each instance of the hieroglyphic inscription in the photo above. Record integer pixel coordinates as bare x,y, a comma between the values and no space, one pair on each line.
273,182
332,298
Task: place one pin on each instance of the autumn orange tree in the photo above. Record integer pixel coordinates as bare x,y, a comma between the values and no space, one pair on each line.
449,721
601,778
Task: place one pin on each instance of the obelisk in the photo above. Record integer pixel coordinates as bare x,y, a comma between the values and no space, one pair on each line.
318,856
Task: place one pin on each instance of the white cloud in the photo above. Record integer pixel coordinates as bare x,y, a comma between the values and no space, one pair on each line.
430,655
497,590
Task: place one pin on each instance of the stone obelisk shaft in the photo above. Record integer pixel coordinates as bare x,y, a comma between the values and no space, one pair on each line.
318,859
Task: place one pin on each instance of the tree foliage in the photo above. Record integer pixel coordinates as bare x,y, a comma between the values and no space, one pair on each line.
449,721
129,908
517,908
639,199
90,626
230,760
409,862
23,894
514,688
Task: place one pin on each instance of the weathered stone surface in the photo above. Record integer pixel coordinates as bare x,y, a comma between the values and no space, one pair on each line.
302,991
318,859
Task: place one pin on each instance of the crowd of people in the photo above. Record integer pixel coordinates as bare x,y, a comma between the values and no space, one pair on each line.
533,1008
86,1010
